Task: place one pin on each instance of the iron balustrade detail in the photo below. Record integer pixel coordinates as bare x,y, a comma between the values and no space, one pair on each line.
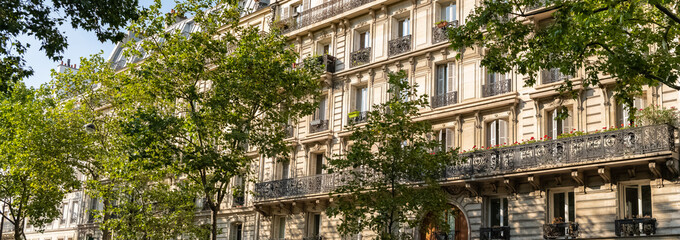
553,75
440,34
635,227
313,238
399,45
445,99
565,230
318,126
319,13
548,154
497,88
489,233
565,151
359,118
300,186
360,57
325,60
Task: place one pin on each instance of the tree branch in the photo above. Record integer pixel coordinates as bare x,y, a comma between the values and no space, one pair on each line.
667,12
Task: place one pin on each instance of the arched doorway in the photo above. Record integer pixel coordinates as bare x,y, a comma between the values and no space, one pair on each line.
453,218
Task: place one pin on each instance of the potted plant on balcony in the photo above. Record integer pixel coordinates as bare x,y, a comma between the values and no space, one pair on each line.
442,24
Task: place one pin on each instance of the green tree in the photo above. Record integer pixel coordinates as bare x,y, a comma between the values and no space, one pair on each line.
140,199
635,42
393,168
35,160
42,19
209,100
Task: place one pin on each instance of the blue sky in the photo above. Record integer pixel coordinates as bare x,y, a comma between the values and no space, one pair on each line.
80,44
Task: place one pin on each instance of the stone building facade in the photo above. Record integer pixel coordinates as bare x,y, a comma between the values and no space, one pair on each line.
607,184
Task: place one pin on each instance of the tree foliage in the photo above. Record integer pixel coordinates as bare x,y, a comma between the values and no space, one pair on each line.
201,101
35,158
42,19
635,42
392,168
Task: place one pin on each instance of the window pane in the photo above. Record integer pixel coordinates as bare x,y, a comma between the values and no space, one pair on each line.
319,164
572,213
495,212
453,12
282,227
317,224
632,209
441,79
558,206
646,192
285,169
445,13
504,212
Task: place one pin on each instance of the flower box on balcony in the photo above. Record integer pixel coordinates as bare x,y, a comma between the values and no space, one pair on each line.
560,230
635,227
442,24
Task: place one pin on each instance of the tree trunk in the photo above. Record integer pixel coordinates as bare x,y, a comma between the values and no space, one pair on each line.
18,232
214,223
106,234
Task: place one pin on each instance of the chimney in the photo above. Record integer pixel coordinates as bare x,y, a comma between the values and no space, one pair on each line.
68,62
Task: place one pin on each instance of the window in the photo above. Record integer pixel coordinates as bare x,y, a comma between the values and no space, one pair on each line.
314,222
285,169
562,207
295,11
497,133
558,126
64,211
637,201
75,212
280,228
497,212
442,79
404,27
361,100
317,164
238,191
492,77
325,49
623,113
320,113
445,137
237,231
448,12
364,40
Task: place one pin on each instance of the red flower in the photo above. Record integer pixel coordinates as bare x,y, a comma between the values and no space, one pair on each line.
604,128
532,138
475,146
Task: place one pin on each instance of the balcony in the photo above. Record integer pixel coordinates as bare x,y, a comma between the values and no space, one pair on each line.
399,45
496,88
565,230
445,99
494,233
313,238
318,126
358,117
239,200
440,34
360,57
325,60
553,75
565,152
635,227
319,13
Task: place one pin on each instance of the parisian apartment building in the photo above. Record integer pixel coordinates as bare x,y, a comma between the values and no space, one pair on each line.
604,185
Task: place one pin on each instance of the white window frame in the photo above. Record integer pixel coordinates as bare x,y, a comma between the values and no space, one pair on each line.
495,135
403,27
622,198
555,128
311,224
503,214
623,112
447,11
361,99
551,203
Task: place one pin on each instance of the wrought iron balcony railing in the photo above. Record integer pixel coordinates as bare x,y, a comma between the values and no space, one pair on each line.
399,45
556,153
440,34
319,13
239,200
565,151
445,99
325,60
496,88
566,230
635,227
318,126
553,75
490,233
313,238
360,57
359,118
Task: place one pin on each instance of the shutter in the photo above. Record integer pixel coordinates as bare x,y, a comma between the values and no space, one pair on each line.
441,80
449,139
408,26
492,133
502,132
451,70
285,12
621,114
322,109
368,39
364,99
442,140
357,99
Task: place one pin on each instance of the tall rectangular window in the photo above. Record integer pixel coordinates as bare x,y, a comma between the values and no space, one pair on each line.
497,133
498,212
562,207
75,211
320,113
238,231
281,228
637,201
364,40
285,169
316,225
445,137
442,81
404,26
623,113
558,126
448,12
361,100
318,164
